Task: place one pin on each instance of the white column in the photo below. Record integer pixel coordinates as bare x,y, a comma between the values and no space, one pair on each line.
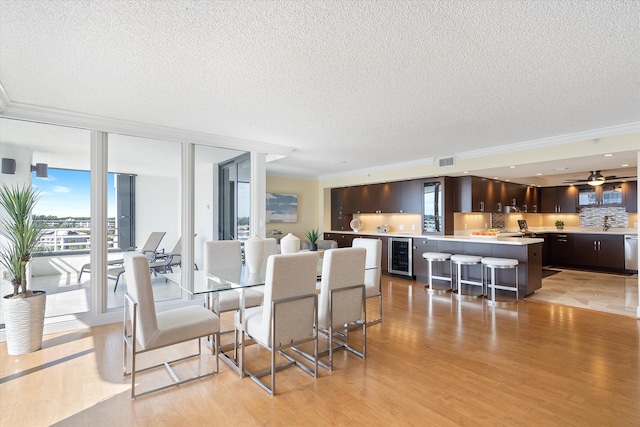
188,215
258,194
98,251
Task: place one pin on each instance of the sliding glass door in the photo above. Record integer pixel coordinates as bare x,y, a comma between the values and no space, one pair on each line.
235,199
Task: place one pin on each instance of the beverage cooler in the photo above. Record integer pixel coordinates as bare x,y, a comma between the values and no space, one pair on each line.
401,256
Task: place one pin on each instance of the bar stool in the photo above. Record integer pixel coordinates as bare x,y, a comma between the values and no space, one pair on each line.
501,263
459,261
432,257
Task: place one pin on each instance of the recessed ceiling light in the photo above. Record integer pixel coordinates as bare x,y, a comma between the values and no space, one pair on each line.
496,177
625,165
560,169
465,172
608,155
507,180
512,167
539,173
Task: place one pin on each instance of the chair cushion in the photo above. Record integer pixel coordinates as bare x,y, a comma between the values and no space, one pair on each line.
230,300
183,324
436,256
252,324
500,262
466,259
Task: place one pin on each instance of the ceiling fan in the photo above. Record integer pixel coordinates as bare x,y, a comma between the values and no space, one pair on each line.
595,178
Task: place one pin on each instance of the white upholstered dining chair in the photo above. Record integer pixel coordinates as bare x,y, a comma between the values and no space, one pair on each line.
373,271
342,305
227,254
286,319
145,330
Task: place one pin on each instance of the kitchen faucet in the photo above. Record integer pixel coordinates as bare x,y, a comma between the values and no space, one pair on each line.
606,223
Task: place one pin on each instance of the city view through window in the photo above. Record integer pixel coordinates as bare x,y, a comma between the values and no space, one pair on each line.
65,212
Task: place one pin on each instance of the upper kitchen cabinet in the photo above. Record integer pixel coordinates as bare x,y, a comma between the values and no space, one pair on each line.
475,194
337,217
438,201
558,199
630,189
531,199
411,201
389,197
607,194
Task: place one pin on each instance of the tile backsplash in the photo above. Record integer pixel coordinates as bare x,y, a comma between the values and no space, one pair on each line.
593,217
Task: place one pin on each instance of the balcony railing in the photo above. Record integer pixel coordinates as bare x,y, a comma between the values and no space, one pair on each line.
72,239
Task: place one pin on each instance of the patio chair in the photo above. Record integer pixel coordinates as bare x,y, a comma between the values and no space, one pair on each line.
115,268
167,260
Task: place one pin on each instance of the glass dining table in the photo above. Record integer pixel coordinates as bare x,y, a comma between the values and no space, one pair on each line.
209,283
217,280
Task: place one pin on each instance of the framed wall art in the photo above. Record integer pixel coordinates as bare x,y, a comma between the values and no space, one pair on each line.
282,207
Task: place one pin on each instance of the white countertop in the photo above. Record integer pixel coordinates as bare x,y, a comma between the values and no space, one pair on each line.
503,234
499,240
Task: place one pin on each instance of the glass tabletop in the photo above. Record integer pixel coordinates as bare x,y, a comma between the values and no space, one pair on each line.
219,280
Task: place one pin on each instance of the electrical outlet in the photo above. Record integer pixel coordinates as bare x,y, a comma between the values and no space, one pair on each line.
465,226
413,227
401,227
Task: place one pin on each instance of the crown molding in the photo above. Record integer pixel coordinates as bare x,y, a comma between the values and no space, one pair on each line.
419,162
14,110
554,140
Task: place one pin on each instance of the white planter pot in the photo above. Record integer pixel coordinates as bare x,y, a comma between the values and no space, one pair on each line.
289,244
254,254
24,322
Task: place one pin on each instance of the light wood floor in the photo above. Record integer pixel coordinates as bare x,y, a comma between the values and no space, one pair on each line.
432,361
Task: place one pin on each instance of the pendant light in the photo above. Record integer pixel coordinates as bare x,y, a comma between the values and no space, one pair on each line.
595,178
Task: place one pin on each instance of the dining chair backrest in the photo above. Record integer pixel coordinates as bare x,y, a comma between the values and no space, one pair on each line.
373,264
341,268
222,254
289,276
136,271
270,248
326,244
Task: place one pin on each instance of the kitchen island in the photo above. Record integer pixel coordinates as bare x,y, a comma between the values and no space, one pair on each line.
528,252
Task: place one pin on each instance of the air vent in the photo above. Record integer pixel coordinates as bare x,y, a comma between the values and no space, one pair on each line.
445,161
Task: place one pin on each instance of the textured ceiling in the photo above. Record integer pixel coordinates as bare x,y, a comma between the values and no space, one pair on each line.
348,85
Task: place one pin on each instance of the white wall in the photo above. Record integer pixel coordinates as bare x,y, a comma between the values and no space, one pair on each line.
205,205
157,209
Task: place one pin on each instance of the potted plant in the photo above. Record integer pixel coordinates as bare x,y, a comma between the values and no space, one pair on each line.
23,309
312,235
559,224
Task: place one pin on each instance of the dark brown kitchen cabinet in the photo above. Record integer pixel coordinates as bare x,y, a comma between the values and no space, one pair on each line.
631,195
411,196
558,199
386,197
599,251
344,240
561,249
337,217
531,199
474,194
420,266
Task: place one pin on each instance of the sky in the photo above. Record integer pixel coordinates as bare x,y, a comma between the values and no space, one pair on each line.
66,193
